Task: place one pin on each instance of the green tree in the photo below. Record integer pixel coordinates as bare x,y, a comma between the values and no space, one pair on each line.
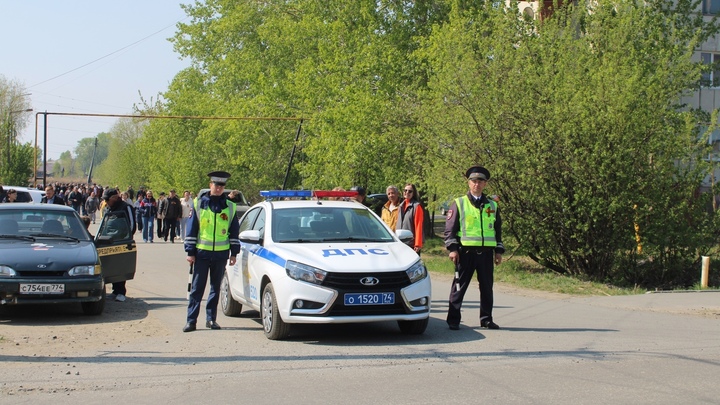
124,164
14,113
341,65
85,149
577,117
19,171
65,166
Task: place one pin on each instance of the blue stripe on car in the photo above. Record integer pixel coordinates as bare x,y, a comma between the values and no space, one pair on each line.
267,255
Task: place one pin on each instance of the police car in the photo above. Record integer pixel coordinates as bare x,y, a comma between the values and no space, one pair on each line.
47,256
324,261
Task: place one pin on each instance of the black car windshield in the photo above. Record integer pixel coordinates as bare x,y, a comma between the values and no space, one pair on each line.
317,224
26,221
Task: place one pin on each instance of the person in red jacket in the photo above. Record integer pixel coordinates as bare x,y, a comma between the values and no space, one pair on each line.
412,217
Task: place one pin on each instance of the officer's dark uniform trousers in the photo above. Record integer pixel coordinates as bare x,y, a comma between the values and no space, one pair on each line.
212,263
482,260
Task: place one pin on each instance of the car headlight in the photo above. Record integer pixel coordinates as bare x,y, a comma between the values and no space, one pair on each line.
90,270
303,272
417,271
6,271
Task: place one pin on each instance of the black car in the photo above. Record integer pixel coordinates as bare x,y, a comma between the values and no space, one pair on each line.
376,202
47,256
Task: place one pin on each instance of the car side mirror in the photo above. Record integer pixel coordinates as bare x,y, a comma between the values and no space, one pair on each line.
404,235
251,236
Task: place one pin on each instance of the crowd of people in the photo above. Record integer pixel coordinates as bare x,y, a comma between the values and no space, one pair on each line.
170,213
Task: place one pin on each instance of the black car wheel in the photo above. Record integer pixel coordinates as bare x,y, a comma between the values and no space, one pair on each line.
94,308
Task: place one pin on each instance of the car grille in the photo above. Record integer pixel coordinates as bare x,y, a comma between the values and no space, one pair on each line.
46,273
350,283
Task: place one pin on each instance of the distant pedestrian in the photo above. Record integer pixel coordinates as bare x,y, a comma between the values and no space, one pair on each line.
91,206
186,201
173,212
411,216
148,207
160,216
75,199
390,210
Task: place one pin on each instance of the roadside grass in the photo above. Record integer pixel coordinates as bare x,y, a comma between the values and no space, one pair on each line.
522,272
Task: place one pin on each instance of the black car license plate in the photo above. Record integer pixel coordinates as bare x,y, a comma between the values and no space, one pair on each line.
42,288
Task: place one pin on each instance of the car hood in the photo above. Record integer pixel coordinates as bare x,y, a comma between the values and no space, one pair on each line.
47,254
347,257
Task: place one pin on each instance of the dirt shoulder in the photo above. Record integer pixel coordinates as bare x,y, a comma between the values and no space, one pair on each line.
65,330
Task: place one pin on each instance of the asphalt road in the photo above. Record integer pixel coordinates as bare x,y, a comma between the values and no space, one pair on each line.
653,348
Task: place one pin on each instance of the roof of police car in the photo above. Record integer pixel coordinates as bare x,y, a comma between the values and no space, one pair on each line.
312,203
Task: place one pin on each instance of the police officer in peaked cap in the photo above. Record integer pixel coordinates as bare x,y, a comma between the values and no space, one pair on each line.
211,239
473,235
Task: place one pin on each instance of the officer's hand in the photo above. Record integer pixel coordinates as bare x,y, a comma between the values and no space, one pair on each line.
191,259
233,259
498,258
454,257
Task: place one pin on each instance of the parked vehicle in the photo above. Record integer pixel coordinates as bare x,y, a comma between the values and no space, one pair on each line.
26,194
47,256
317,261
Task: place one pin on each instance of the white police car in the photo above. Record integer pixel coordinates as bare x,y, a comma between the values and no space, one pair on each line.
322,261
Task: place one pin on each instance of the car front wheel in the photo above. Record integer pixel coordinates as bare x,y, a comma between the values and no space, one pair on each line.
229,306
273,326
94,308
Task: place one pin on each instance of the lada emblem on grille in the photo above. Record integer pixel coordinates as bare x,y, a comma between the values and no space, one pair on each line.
369,281
41,266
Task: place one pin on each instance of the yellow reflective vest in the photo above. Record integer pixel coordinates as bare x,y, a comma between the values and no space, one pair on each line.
213,234
477,226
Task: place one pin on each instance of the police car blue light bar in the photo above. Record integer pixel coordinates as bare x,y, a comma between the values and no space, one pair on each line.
286,193
306,193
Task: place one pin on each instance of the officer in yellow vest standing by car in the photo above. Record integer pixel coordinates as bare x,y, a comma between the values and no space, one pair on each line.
212,238
474,238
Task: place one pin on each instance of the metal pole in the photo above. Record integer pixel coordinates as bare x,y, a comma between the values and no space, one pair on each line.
292,155
9,131
35,160
45,150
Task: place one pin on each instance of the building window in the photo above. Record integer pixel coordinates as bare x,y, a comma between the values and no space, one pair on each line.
712,78
711,6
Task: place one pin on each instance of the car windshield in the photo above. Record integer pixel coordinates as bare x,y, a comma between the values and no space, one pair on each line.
321,224
25,222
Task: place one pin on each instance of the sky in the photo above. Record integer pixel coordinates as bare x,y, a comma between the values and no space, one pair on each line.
87,56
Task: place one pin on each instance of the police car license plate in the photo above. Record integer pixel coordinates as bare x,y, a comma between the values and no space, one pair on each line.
383,298
42,288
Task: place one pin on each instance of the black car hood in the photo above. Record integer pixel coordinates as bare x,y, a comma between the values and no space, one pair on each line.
46,254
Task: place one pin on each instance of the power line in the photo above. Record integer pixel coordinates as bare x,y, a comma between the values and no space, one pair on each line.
108,55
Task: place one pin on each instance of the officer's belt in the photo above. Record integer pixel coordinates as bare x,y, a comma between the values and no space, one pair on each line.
476,249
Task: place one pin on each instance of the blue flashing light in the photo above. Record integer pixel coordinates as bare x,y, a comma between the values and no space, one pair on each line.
286,193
